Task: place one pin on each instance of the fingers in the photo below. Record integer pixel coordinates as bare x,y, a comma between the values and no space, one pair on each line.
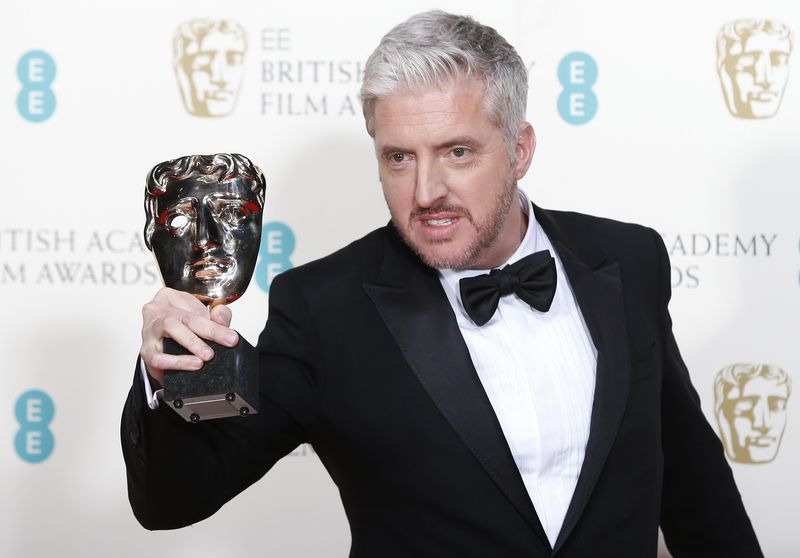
187,329
160,362
180,299
180,316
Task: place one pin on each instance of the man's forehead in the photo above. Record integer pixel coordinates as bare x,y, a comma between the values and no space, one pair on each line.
434,109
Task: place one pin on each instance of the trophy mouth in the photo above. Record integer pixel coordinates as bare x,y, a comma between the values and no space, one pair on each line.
210,269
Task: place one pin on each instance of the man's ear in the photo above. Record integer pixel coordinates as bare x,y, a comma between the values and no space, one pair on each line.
523,149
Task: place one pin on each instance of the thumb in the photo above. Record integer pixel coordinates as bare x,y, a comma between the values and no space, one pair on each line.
221,314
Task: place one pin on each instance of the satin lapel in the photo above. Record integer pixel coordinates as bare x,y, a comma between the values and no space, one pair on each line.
597,286
415,309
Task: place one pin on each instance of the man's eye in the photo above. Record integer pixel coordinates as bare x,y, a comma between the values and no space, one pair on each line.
397,157
459,152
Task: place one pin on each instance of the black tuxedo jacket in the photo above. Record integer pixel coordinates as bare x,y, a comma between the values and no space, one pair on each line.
361,356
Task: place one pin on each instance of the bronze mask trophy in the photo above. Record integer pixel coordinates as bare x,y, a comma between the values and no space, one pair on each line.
204,228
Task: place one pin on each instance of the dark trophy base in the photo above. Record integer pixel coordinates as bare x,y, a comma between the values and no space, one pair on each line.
226,386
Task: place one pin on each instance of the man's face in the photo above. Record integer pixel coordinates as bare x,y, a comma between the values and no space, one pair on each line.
206,237
759,70
447,176
756,414
214,66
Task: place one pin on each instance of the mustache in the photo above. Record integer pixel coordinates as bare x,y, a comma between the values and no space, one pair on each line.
440,208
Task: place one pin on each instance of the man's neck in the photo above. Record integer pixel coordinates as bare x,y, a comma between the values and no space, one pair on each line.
515,228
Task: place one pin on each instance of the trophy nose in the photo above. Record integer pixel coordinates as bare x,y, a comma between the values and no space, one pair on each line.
207,232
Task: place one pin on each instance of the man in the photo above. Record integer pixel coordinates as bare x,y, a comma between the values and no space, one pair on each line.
208,60
750,406
753,66
538,411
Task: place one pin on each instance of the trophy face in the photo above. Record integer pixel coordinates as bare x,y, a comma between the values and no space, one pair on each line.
205,234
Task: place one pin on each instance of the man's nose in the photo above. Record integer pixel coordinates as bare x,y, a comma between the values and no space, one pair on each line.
431,184
206,229
764,72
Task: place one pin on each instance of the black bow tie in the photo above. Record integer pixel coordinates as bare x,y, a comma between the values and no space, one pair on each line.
533,279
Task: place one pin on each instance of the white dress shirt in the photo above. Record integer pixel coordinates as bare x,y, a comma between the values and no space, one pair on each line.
152,397
538,370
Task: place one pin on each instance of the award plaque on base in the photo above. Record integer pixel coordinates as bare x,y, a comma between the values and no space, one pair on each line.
204,228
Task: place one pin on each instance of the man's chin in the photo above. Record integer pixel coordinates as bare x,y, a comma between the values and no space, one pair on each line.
443,255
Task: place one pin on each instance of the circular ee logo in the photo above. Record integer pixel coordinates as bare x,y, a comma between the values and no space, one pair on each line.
577,103
36,70
277,245
34,411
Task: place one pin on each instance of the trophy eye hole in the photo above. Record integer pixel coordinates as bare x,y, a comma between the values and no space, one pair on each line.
177,221
233,215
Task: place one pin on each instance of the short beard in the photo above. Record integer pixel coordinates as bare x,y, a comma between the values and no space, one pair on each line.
487,232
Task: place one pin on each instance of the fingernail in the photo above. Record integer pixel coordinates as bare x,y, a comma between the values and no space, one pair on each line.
207,354
197,364
231,338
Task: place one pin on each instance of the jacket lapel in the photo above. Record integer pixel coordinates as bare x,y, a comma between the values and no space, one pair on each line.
414,307
597,286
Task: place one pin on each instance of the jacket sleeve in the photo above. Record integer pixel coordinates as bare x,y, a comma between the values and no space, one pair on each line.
702,514
179,473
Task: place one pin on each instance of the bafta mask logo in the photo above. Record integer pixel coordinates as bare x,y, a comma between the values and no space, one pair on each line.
753,66
203,223
209,65
750,406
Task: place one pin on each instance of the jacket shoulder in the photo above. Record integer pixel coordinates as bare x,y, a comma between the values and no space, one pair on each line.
602,228
616,239
358,261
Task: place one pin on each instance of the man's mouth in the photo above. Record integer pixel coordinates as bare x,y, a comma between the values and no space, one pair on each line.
438,222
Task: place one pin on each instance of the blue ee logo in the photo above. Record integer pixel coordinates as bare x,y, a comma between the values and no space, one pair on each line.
34,411
577,103
277,244
36,71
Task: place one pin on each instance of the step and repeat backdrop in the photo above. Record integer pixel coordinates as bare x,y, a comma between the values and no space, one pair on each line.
684,116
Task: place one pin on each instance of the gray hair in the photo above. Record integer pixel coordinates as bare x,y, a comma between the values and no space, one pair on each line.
433,48
222,167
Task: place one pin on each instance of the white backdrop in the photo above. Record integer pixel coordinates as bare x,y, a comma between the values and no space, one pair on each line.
662,149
